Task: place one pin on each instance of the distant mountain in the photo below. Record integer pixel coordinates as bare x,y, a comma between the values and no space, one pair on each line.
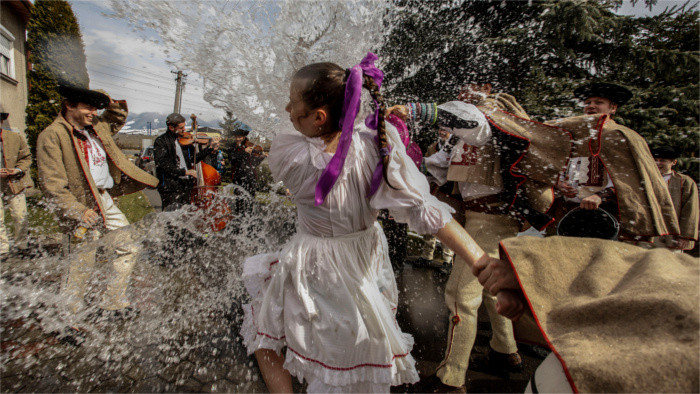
140,121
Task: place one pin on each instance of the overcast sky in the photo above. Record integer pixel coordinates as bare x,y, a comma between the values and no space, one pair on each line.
121,62
128,67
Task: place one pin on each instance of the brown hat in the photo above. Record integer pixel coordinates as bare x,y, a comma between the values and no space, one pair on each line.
240,132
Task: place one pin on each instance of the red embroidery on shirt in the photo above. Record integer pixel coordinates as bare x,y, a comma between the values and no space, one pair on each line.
595,172
94,156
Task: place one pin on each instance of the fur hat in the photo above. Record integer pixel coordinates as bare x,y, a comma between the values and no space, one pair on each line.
240,132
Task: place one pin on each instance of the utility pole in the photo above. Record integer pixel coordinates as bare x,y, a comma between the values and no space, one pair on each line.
178,90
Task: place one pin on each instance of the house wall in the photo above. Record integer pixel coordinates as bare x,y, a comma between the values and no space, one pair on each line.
13,91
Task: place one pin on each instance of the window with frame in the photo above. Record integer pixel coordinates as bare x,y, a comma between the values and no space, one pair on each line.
6,53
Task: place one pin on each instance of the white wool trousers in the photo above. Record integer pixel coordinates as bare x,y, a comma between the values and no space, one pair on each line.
82,262
17,205
464,294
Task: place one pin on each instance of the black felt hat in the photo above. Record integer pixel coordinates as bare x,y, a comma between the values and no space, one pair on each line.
589,223
240,132
664,152
83,95
615,93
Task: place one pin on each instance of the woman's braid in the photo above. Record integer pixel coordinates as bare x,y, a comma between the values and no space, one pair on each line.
369,84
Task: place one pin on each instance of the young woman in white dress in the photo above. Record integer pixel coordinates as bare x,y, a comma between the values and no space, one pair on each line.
328,298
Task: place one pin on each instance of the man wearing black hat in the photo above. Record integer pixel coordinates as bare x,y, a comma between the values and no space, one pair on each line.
611,164
684,194
244,157
598,98
80,169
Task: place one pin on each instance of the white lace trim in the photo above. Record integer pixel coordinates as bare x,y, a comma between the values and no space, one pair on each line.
401,370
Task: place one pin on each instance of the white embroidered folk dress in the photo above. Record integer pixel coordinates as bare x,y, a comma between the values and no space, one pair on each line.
330,295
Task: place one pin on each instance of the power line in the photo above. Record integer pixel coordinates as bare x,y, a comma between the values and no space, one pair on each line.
132,73
137,81
155,98
128,79
110,63
113,66
149,92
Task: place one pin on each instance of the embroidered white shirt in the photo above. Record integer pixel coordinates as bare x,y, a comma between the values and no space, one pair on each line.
97,160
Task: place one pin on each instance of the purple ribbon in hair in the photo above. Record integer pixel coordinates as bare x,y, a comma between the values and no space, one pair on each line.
351,106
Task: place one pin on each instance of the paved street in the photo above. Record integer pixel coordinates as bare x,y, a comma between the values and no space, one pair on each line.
153,198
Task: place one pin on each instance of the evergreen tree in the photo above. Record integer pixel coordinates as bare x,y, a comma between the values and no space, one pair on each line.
230,124
665,109
57,54
541,51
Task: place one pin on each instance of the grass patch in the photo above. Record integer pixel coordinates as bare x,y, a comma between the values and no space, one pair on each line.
135,206
42,221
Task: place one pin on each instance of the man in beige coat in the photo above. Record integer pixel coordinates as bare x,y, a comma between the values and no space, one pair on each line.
611,164
15,160
684,194
80,170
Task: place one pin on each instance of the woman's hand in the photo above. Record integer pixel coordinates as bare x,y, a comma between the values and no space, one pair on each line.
497,276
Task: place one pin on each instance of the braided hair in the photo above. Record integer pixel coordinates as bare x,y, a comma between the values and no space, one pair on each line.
323,85
369,84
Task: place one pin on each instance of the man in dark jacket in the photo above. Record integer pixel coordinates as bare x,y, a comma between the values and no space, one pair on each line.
245,157
175,164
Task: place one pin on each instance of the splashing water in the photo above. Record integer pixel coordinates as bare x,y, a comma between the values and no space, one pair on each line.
186,285
246,52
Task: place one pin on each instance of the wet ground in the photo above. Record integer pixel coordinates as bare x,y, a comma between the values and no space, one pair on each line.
207,357
116,354
185,338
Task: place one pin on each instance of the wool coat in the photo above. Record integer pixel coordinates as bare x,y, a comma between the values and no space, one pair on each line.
524,158
618,317
684,194
64,172
15,154
644,203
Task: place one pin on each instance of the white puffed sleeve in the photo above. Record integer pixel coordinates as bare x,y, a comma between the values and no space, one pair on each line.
409,201
289,161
